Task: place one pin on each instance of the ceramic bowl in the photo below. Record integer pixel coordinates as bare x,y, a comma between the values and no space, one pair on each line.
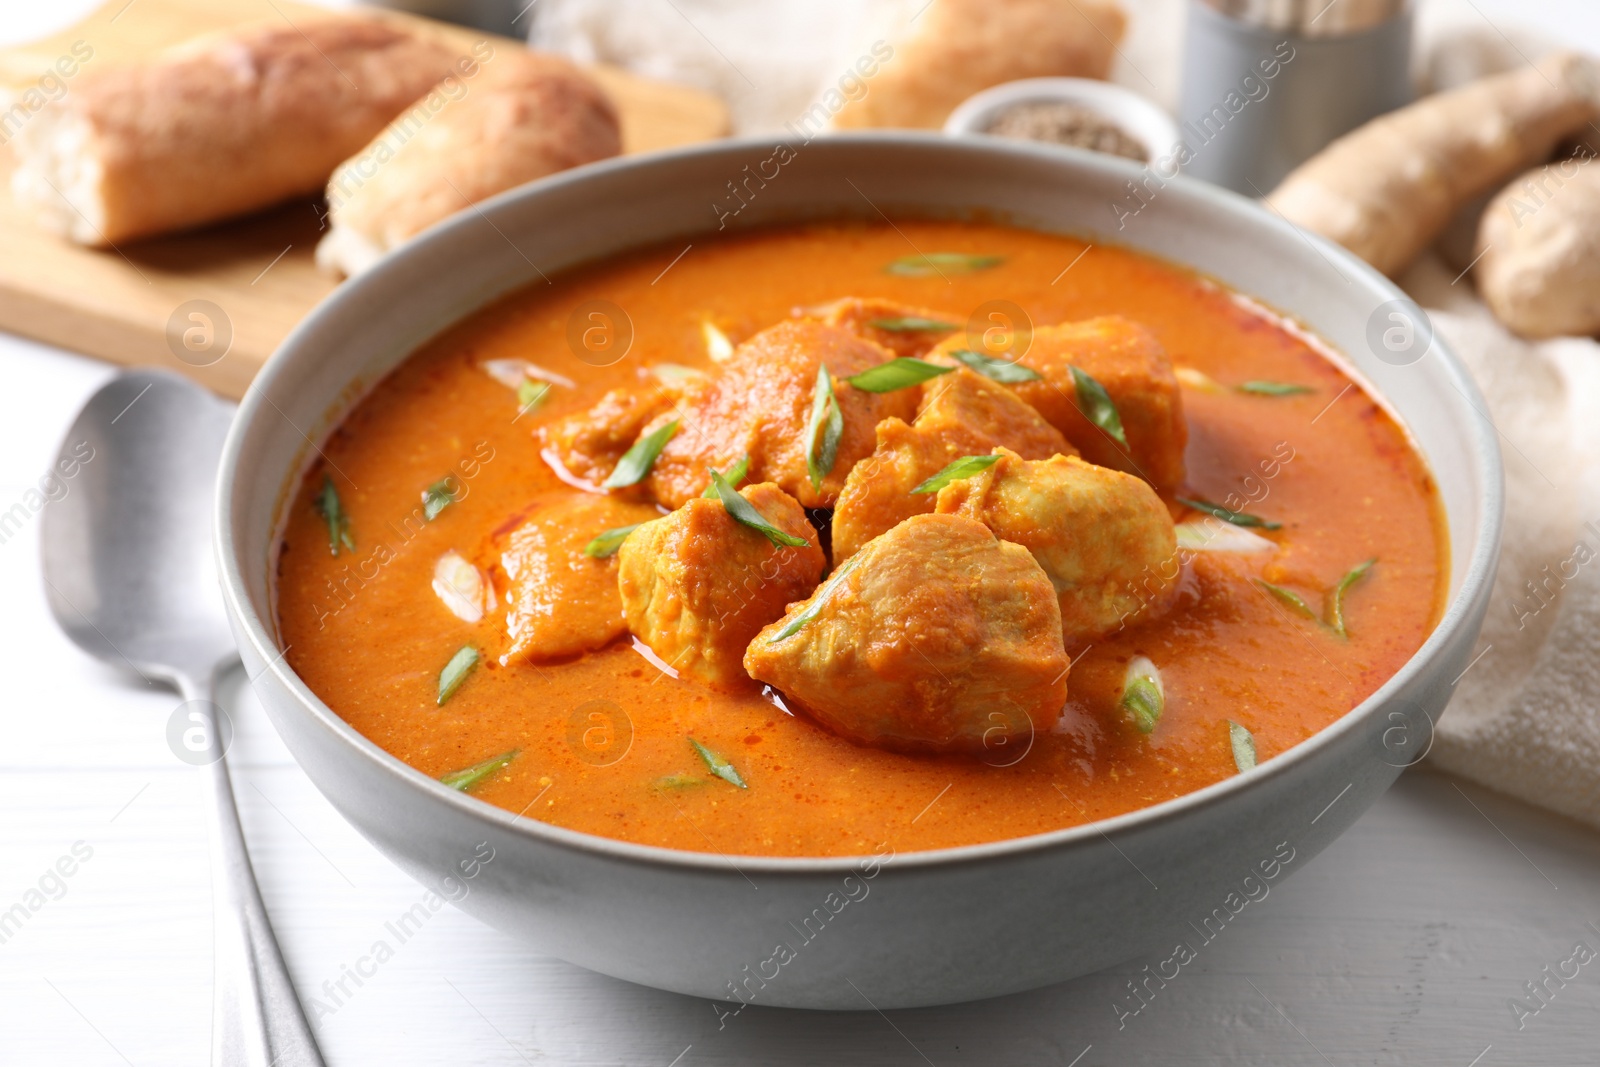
1142,120
912,929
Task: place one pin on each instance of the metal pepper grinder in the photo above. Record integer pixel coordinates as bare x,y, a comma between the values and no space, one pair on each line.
1269,83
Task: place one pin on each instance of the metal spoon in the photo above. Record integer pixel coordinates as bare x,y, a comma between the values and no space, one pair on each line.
130,575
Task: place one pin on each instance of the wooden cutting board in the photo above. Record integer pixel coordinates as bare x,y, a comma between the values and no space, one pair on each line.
259,270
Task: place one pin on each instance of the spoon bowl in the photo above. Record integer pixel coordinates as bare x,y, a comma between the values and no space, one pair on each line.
128,567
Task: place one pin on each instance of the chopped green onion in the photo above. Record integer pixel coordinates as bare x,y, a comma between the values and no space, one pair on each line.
742,510
1000,370
1336,597
1264,388
912,324
636,462
1244,746
332,511
1238,518
965,467
1294,601
829,420
940,263
678,781
734,476
719,766
898,373
1143,696
606,544
466,779
438,496
677,373
818,598
455,672
718,347
531,395
1096,405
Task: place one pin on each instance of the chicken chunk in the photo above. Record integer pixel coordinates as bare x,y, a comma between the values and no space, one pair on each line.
760,406
1131,365
589,444
960,414
697,585
560,602
1103,537
901,328
935,637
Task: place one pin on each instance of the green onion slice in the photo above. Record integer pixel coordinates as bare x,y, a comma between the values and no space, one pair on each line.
901,373
605,545
1096,405
999,370
818,598
531,395
826,418
1238,518
332,511
741,509
734,476
1143,696
678,781
635,464
965,467
1243,743
941,263
438,496
912,324
470,777
677,373
1289,598
455,672
1265,388
1336,597
719,766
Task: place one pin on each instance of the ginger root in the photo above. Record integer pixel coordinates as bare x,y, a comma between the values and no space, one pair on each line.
1386,190
1539,251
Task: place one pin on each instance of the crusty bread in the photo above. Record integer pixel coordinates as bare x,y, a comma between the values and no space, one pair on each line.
527,115
219,126
954,48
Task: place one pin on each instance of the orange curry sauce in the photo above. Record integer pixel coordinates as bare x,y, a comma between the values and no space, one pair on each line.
369,636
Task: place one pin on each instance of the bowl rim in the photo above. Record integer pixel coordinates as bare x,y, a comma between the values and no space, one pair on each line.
1477,574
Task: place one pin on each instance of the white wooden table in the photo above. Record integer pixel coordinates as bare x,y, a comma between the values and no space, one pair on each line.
1406,942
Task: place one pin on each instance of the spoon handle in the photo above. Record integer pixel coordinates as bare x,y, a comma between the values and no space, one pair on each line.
256,1019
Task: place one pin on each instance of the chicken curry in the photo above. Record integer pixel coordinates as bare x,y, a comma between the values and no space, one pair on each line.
805,540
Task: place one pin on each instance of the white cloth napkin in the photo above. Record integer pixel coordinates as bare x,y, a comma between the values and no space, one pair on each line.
1525,718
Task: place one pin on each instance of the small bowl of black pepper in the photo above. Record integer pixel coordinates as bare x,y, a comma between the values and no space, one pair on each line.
1070,112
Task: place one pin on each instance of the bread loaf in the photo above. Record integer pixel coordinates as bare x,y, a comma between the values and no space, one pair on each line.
219,126
526,115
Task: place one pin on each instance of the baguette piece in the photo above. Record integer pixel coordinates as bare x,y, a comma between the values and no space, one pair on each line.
218,126
951,49
528,115
1386,190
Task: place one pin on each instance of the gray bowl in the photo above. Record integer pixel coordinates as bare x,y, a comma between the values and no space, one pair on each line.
916,928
